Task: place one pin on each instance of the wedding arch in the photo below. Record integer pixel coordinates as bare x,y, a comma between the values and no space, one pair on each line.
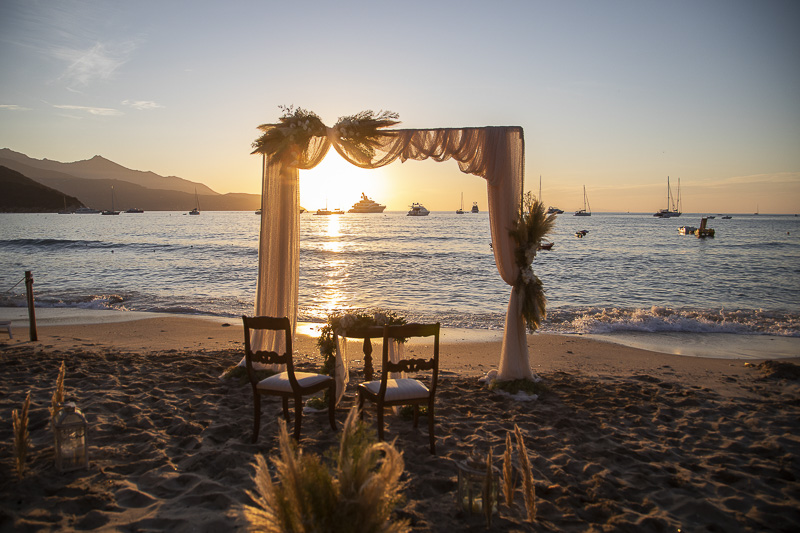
300,142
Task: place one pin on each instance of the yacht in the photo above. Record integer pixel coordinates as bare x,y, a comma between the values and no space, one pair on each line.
460,210
673,207
112,211
196,210
586,211
417,210
367,205
475,207
86,211
134,210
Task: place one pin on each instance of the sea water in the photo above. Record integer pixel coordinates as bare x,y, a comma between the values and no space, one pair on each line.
629,273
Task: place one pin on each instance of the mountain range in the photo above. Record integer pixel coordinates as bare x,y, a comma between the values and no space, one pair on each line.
90,182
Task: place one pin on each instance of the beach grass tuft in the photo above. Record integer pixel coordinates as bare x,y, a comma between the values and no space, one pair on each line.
358,491
528,490
488,495
22,439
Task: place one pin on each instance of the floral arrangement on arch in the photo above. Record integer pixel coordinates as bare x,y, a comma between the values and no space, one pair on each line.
530,227
339,323
358,133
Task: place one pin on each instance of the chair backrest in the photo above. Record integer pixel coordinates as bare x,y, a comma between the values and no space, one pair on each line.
267,357
408,331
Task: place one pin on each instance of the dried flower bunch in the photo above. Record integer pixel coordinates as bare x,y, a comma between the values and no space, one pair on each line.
22,439
357,134
530,227
339,323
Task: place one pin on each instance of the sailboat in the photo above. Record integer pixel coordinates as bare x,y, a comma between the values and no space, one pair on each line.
112,212
676,206
196,210
586,211
460,210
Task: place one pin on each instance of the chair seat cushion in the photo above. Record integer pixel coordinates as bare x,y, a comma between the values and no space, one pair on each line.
280,382
399,389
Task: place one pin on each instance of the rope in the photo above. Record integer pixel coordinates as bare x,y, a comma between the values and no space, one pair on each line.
12,288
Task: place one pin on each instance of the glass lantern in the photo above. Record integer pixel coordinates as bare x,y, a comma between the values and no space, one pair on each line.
69,429
471,477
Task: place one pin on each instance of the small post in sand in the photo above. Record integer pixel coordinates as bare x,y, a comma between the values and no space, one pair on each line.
31,311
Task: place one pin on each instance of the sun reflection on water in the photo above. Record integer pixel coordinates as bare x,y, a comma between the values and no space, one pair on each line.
332,297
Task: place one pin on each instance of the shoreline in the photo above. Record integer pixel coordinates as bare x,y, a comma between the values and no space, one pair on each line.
684,344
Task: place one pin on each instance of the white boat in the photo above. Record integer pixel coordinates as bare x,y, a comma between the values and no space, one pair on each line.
687,230
112,211
586,211
417,210
366,205
134,210
475,207
673,206
554,211
196,210
86,211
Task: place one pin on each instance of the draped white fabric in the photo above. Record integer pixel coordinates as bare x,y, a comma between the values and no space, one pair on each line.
494,153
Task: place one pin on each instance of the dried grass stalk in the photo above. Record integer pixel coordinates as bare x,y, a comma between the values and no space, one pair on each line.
527,476
58,394
358,493
488,495
22,439
508,473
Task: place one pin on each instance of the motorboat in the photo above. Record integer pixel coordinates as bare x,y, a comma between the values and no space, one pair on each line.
86,211
581,233
475,207
134,210
727,217
417,210
687,230
673,204
554,211
366,205
546,245
586,211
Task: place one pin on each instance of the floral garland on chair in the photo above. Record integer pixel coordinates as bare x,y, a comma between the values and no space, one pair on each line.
530,227
339,323
297,126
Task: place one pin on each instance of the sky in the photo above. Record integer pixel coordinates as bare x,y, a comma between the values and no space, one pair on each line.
612,95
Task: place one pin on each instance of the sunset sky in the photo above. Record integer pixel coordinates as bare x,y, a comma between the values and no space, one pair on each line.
613,95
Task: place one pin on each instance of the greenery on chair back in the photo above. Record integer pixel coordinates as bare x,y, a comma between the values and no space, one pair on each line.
356,492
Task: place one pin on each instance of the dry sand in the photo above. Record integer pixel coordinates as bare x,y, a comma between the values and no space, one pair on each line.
624,439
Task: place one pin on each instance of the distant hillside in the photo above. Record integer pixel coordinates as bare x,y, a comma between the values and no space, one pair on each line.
100,168
23,195
152,194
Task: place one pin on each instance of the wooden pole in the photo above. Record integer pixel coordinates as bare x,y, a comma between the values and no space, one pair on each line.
31,311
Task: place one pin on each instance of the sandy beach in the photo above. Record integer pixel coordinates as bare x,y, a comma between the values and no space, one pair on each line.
624,439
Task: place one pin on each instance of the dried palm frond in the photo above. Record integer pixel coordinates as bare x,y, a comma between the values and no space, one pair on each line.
294,132
359,134
22,439
528,490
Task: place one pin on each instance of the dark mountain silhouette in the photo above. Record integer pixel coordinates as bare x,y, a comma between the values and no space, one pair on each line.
91,181
23,195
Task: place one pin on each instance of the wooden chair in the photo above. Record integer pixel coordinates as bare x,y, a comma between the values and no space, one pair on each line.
404,391
287,384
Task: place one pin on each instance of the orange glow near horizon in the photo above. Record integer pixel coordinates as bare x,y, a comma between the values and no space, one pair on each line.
337,184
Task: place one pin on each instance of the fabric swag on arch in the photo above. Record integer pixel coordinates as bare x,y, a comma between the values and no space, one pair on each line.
301,141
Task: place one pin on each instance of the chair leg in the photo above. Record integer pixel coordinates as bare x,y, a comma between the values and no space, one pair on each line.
285,407
380,421
332,406
298,416
430,428
360,405
256,415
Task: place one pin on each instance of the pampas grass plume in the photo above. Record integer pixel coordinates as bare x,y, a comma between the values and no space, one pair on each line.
527,476
21,436
488,496
358,493
58,394
508,473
